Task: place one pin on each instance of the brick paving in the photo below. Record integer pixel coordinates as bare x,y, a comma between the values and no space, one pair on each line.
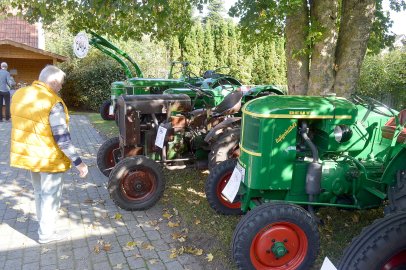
97,240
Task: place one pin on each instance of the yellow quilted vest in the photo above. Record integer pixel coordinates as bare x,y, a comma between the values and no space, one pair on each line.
32,144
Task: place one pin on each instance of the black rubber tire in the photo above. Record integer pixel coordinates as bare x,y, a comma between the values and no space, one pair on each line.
104,111
105,159
125,171
377,244
212,184
223,148
397,194
255,221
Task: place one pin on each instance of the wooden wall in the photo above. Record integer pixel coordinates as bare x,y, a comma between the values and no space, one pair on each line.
28,64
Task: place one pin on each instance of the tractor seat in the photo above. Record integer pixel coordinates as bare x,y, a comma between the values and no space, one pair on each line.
388,130
231,104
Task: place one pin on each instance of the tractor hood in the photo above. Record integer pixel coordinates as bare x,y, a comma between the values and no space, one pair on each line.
300,107
152,82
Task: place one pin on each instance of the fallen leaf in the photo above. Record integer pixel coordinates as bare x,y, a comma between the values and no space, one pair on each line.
88,201
209,257
197,221
173,254
63,257
107,247
44,250
355,218
118,266
175,211
96,249
194,251
137,255
167,215
22,219
153,261
131,244
181,239
173,224
147,246
152,222
118,216
176,235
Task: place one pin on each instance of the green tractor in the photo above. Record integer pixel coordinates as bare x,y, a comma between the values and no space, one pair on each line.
302,151
135,84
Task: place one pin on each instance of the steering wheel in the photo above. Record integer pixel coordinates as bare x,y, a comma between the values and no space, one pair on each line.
373,105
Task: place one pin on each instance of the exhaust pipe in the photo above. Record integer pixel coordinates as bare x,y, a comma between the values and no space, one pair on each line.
313,175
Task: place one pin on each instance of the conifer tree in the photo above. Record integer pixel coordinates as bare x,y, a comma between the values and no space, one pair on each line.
191,53
209,58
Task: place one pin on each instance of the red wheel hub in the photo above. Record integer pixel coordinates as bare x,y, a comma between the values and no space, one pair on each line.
398,260
138,185
290,235
220,186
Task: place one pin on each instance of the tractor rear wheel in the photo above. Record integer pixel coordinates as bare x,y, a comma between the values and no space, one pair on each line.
215,183
136,183
381,245
276,236
105,158
225,147
397,194
104,111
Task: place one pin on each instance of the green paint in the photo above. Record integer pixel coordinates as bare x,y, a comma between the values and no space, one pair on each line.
355,173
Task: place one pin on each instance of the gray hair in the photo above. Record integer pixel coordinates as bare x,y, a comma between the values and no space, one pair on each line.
4,65
50,74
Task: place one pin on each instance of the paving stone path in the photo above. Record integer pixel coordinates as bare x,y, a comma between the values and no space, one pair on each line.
98,238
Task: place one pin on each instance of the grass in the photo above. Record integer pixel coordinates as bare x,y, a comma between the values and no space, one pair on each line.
213,232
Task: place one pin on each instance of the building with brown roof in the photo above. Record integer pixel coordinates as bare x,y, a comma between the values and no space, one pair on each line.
22,47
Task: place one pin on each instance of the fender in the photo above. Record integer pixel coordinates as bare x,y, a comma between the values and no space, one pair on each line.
397,163
214,132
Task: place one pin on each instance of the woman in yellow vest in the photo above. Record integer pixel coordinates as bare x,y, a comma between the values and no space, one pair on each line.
41,143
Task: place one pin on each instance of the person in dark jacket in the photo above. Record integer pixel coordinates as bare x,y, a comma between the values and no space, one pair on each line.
6,82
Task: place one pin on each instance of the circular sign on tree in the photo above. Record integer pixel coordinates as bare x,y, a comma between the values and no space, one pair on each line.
81,45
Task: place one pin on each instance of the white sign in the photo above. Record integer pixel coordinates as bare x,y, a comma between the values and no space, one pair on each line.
327,265
111,110
81,45
160,136
231,189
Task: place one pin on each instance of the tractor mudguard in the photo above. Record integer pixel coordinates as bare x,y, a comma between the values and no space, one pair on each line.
214,132
396,164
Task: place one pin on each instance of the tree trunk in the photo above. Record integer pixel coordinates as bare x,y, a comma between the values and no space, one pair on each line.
357,17
297,57
323,17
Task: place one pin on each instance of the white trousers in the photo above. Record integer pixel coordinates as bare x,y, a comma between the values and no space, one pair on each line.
47,193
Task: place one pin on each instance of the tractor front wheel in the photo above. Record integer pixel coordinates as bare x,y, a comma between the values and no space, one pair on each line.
104,111
105,158
215,183
276,236
136,183
380,246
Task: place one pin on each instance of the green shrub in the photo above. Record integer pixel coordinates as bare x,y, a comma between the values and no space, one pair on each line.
88,81
384,77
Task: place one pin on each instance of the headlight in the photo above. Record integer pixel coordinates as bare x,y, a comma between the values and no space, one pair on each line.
342,133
